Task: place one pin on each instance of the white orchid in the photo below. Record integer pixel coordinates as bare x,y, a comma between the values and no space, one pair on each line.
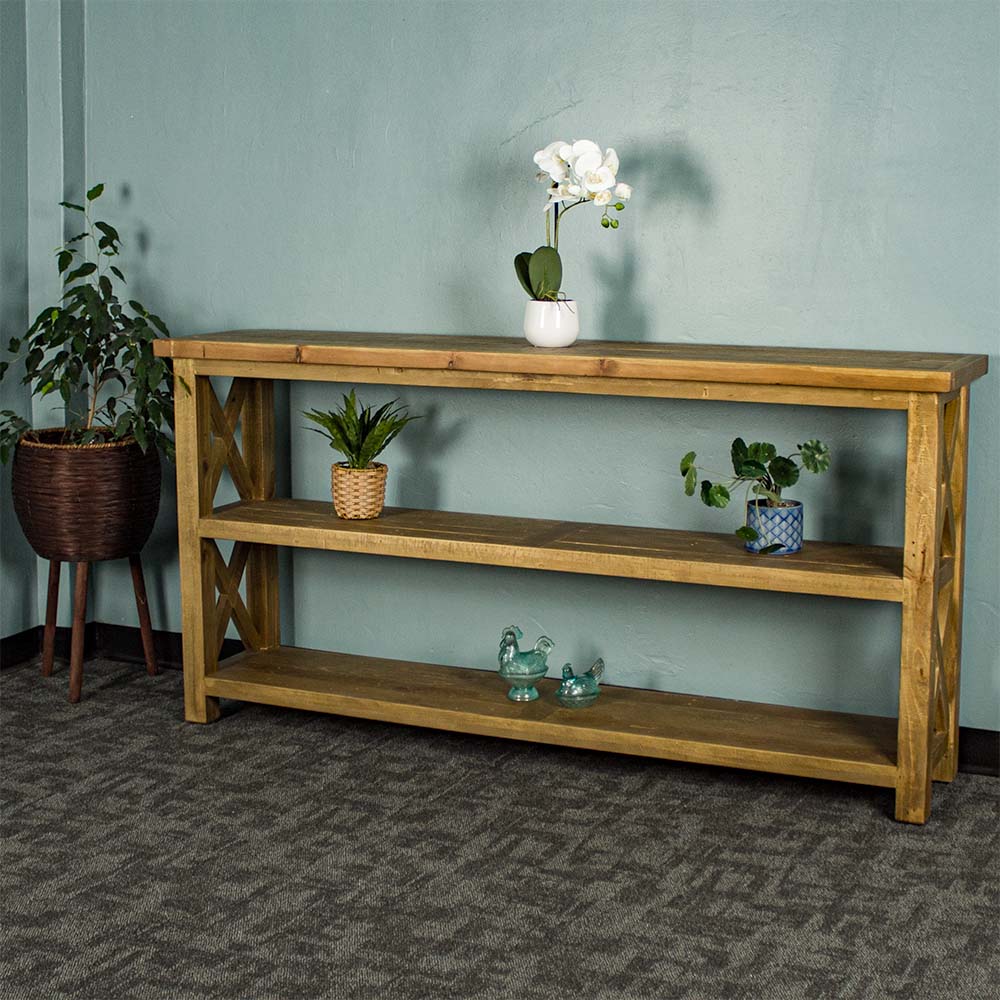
551,163
577,173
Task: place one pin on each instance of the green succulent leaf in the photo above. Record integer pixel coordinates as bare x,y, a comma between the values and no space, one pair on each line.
687,462
360,435
815,456
545,272
521,270
783,471
95,192
73,205
768,549
64,260
747,533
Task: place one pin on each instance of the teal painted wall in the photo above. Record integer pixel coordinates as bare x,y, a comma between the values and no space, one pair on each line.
805,174
18,606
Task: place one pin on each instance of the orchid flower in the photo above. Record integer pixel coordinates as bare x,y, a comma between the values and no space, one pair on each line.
576,173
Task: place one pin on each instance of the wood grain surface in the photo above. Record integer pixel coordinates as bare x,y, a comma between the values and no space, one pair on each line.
793,366
683,727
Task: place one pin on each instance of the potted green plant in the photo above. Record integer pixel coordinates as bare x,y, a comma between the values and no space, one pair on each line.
358,484
773,524
90,489
577,173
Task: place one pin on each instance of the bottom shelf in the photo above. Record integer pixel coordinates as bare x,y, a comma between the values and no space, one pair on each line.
796,741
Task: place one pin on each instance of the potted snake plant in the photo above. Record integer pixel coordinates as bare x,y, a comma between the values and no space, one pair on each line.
358,484
90,489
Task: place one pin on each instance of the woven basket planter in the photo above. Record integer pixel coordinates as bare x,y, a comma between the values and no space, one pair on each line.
358,494
85,503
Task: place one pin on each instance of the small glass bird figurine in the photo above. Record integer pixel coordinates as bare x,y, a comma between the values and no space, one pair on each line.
580,691
523,670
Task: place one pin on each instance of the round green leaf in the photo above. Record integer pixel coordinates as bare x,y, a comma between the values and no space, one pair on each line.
738,451
751,470
686,462
718,495
783,471
690,481
815,456
761,451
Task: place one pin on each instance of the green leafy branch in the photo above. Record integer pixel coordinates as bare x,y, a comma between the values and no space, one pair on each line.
360,435
95,351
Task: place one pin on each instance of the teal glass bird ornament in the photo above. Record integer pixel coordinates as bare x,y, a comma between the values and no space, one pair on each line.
522,670
580,691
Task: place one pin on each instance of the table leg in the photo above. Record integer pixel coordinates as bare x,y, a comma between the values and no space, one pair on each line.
192,429
262,564
956,456
919,660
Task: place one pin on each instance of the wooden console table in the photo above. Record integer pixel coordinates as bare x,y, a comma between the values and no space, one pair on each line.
925,576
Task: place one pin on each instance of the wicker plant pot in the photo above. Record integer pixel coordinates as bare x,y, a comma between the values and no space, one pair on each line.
85,503
358,494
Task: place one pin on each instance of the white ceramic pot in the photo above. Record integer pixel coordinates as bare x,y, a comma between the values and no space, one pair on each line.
551,324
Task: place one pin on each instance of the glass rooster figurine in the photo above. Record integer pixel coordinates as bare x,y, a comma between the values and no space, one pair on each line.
580,691
522,670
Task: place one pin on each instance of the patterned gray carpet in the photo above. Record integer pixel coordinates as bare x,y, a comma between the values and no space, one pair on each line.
278,855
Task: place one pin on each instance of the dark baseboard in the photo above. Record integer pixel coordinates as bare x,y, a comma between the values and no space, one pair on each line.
978,749
116,642
26,645
123,642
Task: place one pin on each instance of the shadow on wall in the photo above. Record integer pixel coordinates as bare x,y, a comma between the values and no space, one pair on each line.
863,493
425,442
667,173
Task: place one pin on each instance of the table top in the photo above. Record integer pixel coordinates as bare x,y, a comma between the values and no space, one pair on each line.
913,371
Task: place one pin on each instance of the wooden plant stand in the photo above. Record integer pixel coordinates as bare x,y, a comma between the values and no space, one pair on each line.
80,581
925,576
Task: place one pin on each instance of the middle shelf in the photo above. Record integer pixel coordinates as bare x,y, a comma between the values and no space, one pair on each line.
833,569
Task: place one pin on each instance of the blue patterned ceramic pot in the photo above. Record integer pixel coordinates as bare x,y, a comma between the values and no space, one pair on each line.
776,526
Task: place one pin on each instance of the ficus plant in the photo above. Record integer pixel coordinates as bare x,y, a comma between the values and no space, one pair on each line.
761,472
360,435
576,173
94,351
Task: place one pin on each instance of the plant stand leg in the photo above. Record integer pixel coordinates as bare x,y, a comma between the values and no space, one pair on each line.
192,423
142,606
51,608
919,672
79,624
